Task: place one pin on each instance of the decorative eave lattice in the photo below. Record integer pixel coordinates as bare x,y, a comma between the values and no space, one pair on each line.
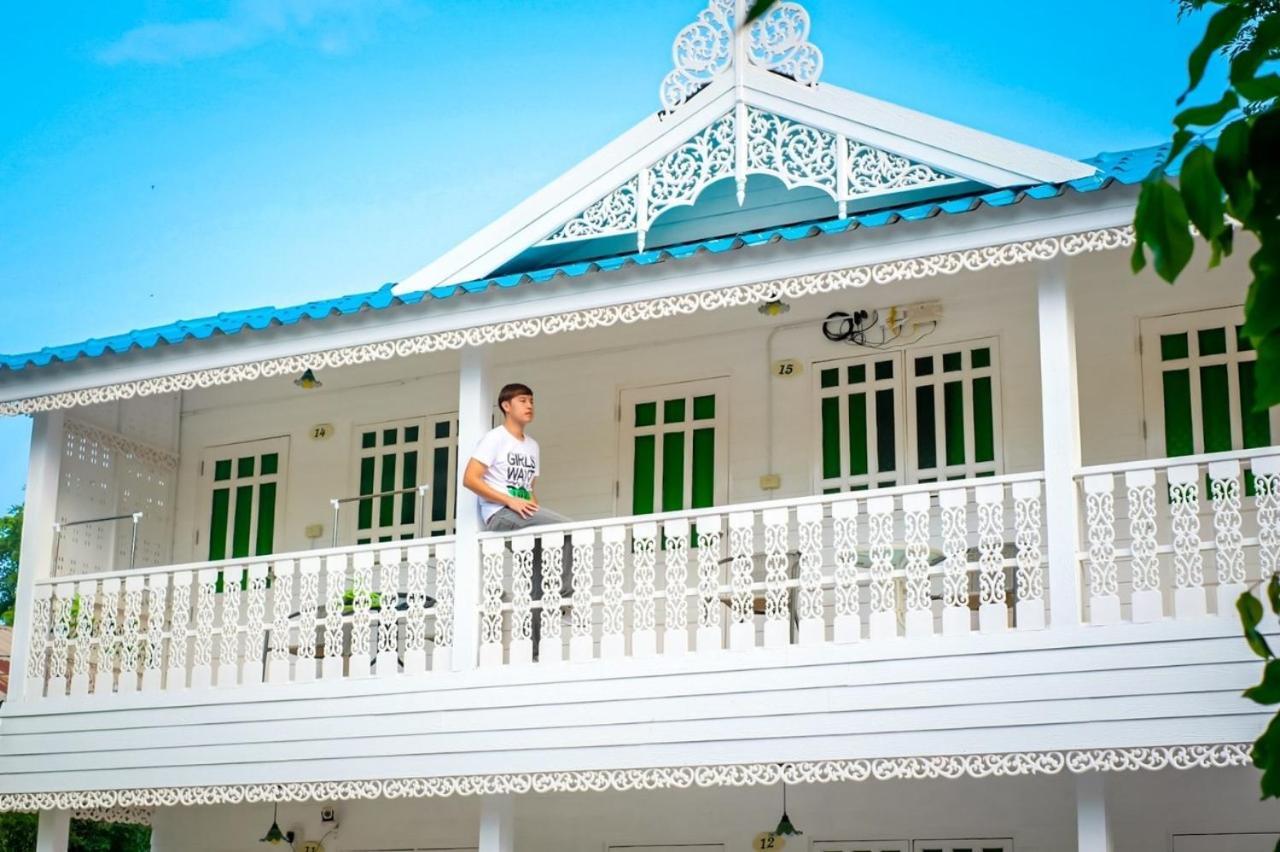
744,142
778,41
127,802
795,287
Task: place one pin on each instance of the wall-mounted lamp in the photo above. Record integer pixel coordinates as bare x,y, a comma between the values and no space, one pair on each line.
308,380
274,835
774,308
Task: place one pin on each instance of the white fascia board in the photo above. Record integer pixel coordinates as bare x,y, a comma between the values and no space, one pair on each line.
540,214
994,226
944,145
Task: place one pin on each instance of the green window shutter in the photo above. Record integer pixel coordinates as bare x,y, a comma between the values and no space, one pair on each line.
1257,424
1178,436
830,437
704,468
859,459
886,434
953,420
218,522
642,474
926,429
240,534
266,519
984,436
387,504
1215,408
673,471
364,518
440,483
409,479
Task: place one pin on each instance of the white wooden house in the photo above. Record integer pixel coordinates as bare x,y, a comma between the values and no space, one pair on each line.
892,483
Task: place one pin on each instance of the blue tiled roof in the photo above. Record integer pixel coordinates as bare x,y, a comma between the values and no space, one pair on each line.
1124,167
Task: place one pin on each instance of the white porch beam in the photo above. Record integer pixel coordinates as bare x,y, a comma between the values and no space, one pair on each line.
35,561
1093,828
475,405
1060,411
497,824
53,831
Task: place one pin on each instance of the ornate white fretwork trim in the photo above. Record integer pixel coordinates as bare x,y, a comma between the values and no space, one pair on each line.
950,263
778,42
132,816
658,778
744,142
125,446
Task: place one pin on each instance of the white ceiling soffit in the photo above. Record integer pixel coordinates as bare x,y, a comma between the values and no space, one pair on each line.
727,118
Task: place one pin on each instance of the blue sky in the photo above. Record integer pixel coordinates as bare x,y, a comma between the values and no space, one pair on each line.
162,160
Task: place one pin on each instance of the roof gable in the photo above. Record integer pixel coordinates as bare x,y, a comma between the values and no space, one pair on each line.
738,105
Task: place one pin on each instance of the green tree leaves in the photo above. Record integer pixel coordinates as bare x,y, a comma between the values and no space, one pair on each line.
10,545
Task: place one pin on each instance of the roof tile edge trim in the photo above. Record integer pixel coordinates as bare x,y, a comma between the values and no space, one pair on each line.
924,767
950,263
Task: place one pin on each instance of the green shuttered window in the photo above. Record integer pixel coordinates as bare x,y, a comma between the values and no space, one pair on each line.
922,415
400,455
244,482
1198,375
674,452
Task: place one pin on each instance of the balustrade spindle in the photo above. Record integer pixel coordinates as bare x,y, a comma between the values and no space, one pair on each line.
915,527
884,616
388,659
551,641
521,599
492,553
63,597
1188,564
844,522
1027,520
777,597
993,614
644,636
809,597
1266,485
202,650
742,628
281,608
102,680
1147,601
157,600
228,671
581,644
335,592
675,608
80,625
1100,520
38,649
1228,538
613,643
415,622
446,579
362,639
310,634
709,549
180,661
131,634
257,624
954,507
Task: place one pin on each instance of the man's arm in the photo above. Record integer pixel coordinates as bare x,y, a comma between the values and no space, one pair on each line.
473,479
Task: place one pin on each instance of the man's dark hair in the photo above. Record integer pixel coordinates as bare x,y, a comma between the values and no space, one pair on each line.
510,392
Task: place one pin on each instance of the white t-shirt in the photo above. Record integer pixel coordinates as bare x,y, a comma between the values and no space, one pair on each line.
511,466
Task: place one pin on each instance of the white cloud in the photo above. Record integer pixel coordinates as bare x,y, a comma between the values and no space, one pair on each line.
331,26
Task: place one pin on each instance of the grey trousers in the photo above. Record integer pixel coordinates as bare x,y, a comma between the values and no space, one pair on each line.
505,520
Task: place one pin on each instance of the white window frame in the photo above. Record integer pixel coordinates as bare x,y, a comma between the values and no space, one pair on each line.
1190,322
628,398
873,476
426,446
905,383
256,448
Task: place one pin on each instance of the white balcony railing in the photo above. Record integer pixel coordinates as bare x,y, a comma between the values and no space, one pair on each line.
383,609
940,558
1145,526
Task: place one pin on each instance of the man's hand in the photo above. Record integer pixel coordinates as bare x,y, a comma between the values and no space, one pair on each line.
523,508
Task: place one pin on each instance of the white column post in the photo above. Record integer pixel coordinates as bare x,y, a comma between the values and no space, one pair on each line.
1093,829
497,824
35,561
475,407
53,831
1060,411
